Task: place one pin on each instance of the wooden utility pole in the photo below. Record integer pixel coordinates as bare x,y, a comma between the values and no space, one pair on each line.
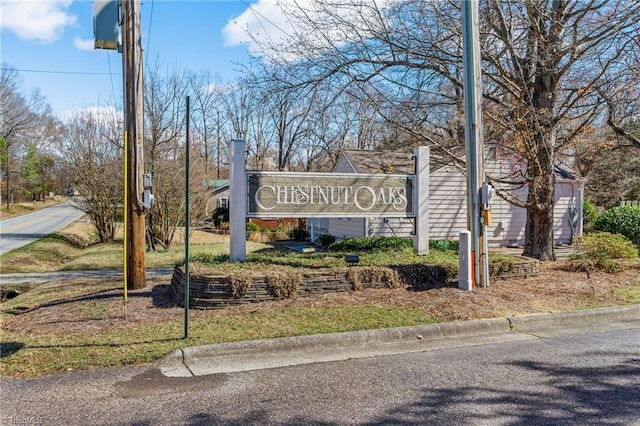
133,118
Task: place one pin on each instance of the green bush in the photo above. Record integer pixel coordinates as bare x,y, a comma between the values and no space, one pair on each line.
366,244
444,245
601,249
220,215
326,240
623,220
299,233
253,227
590,214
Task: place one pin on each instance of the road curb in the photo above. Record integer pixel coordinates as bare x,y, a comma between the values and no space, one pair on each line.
530,322
269,353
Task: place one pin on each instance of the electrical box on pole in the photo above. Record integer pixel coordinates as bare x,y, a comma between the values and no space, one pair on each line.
486,196
105,24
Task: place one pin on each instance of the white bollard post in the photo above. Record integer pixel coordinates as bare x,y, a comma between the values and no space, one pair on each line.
464,263
421,200
237,203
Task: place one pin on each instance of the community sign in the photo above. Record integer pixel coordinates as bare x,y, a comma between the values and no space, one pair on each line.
273,194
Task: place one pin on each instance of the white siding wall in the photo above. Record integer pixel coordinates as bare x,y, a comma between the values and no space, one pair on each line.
508,223
393,227
347,227
448,211
447,204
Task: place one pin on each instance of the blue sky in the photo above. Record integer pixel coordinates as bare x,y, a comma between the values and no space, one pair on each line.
50,43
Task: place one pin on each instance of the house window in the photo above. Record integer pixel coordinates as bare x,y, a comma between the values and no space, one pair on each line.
222,203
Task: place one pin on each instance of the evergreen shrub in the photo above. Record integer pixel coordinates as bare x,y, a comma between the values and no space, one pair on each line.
366,244
624,220
590,214
444,245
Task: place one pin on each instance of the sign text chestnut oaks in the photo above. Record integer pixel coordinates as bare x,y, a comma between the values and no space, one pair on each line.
329,195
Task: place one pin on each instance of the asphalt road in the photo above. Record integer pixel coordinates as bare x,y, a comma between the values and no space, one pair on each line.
586,377
21,230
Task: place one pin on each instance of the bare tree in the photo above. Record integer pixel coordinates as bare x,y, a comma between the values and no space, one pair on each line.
247,119
289,109
24,121
620,91
165,143
209,121
94,164
542,63
164,108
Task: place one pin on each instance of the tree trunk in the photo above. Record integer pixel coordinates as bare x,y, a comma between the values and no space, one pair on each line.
539,229
541,197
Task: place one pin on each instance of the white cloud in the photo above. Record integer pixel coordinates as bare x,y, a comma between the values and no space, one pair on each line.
42,20
285,23
83,44
262,21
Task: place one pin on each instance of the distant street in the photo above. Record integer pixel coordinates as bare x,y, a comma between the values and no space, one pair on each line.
577,379
19,231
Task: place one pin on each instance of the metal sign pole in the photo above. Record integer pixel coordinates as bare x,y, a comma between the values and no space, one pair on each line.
186,227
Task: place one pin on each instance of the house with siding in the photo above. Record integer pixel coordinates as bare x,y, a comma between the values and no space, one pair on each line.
219,190
448,201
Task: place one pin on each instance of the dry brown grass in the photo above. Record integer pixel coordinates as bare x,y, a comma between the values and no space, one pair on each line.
85,230
28,207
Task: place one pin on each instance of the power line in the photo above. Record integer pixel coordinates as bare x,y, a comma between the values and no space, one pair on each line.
265,18
149,34
58,72
113,91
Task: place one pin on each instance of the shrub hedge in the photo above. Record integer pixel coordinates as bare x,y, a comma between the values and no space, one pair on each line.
370,244
623,220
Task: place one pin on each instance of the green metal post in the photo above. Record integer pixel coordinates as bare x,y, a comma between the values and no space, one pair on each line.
186,228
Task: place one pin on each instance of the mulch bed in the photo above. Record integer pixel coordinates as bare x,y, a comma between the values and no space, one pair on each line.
554,289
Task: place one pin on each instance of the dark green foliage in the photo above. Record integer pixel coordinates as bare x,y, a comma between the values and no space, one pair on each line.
444,245
299,233
623,220
219,216
370,244
590,214
253,227
326,240
206,258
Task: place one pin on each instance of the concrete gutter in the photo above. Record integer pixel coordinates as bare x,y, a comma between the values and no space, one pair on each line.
280,352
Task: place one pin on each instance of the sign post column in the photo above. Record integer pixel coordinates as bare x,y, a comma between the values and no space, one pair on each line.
238,203
421,203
